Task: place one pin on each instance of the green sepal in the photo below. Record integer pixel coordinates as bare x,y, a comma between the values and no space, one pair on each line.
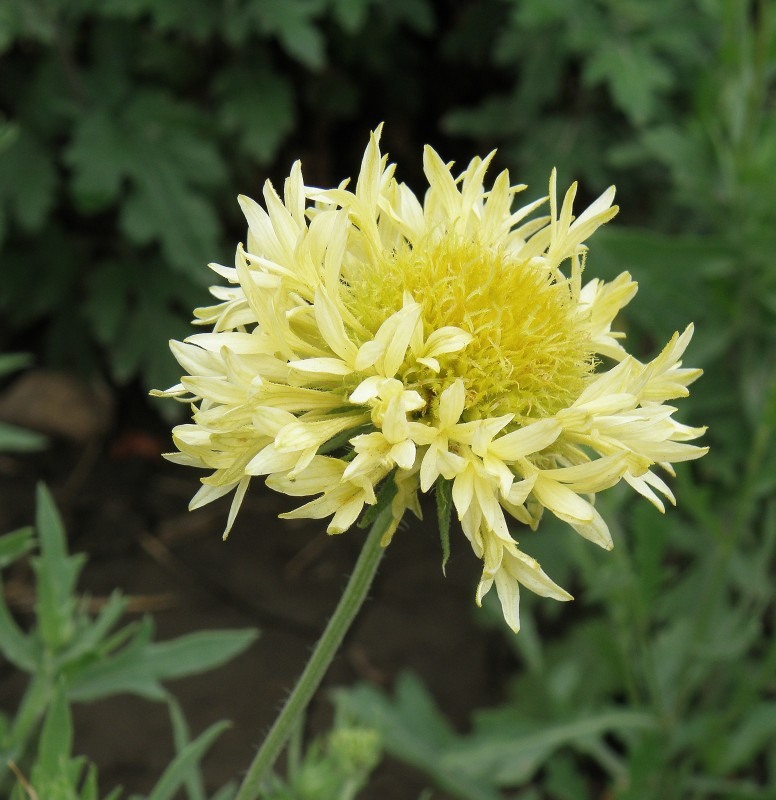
385,495
343,438
444,502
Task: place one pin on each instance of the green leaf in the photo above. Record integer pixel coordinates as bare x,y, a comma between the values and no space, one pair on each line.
185,763
351,14
385,496
413,730
225,792
16,544
15,646
195,789
97,154
56,572
666,270
746,740
292,22
258,106
444,501
118,672
141,666
164,150
14,439
27,180
634,75
90,634
509,756
56,740
12,362
22,20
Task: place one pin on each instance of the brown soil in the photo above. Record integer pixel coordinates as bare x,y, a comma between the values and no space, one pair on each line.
126,508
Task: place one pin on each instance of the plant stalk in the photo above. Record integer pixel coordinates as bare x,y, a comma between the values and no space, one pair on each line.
349,604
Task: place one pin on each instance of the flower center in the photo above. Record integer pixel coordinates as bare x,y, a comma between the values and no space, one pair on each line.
531,351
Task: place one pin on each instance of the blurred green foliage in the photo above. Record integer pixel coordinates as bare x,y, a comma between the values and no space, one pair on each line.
129,127
73,655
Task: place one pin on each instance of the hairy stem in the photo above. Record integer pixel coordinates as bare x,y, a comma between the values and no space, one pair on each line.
327,647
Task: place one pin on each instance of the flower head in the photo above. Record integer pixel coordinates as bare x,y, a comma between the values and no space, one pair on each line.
367,336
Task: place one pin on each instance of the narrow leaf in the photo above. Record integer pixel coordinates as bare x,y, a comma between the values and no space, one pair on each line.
185,762
15,544
56,740
17,648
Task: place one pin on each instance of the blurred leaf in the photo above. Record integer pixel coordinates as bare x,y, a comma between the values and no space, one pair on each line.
15,646
666,268
293,23
509,755
634,76
413,730
418,15
27,181
20,20
748,739
11,362
56,572
160,146
194,785
133,313
140,667
257,105
56,741
185,763
225,792
90,634
16,544
19,440
351,14
97,154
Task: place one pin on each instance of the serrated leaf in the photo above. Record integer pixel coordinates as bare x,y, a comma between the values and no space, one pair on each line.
160,147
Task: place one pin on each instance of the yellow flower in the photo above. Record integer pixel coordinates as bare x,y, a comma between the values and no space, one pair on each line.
367,337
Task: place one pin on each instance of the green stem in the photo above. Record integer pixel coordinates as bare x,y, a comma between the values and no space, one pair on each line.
347,608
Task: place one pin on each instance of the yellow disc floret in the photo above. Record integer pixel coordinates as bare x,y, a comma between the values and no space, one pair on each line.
531,351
